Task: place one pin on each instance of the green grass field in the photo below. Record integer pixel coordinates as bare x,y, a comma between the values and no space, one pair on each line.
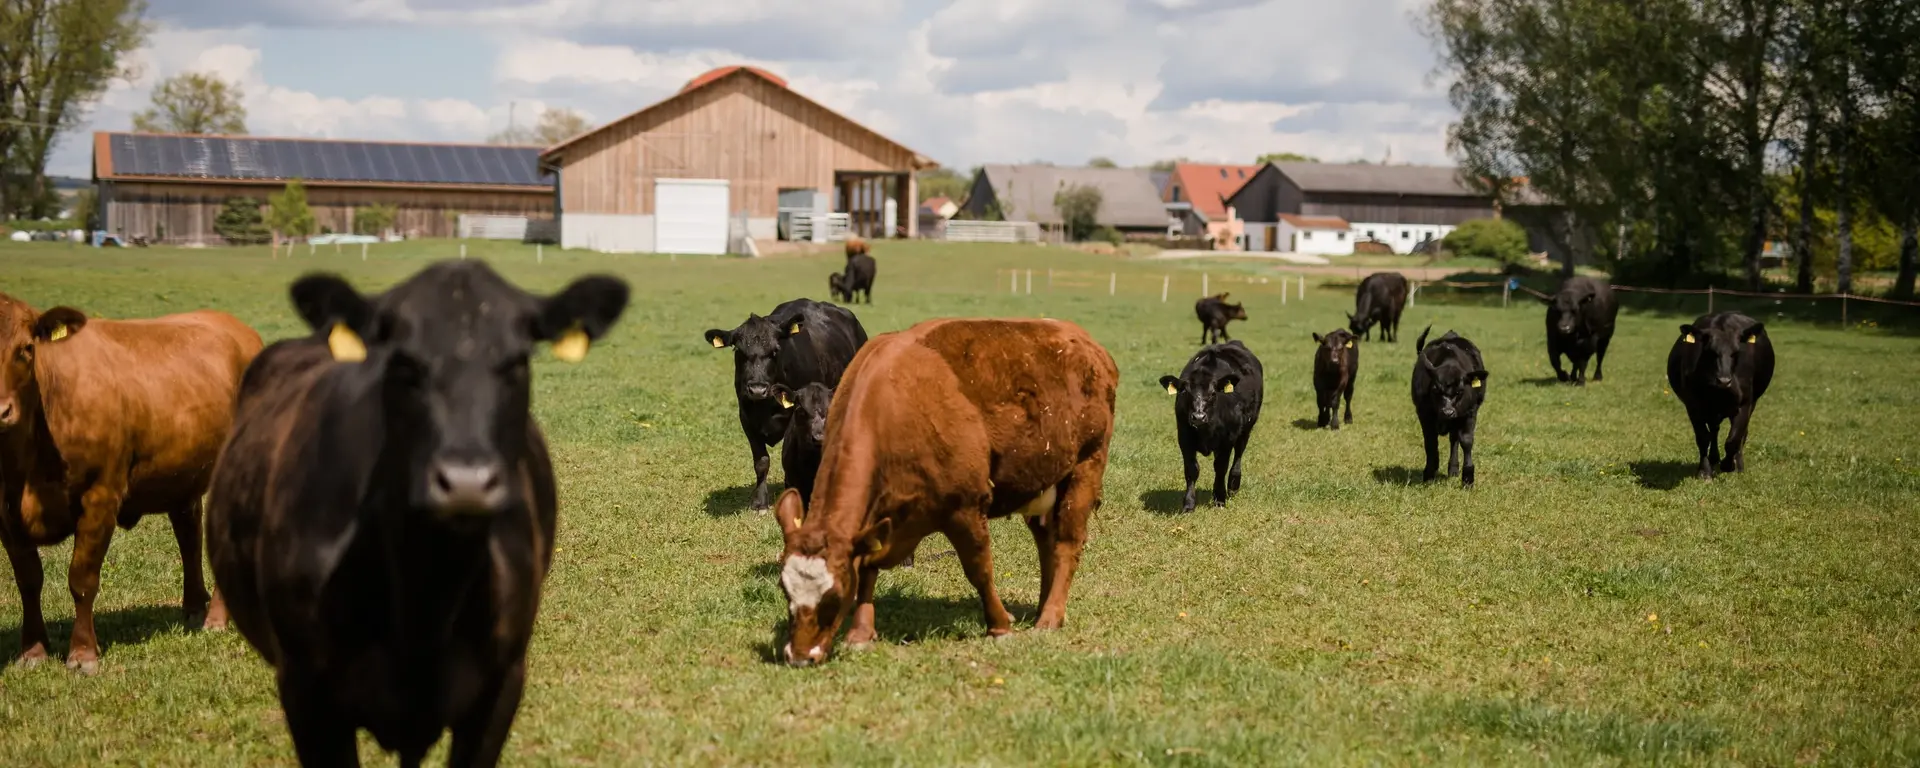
1588,603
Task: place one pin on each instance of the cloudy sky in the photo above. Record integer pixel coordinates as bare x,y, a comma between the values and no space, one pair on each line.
962,81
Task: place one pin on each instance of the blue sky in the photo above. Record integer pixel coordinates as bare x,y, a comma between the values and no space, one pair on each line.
963,81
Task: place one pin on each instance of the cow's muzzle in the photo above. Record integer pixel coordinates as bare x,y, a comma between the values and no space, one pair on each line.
758,391
466,487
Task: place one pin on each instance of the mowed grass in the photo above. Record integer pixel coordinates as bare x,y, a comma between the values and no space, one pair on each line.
1588,603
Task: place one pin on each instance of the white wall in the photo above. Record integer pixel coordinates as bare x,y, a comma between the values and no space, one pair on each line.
1324,242
1403,237
607,233
1258,234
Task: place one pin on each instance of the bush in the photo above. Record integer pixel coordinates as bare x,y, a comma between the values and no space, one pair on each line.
374,219
1079,208
30,225
239,222
1106,234
287,212
1497,239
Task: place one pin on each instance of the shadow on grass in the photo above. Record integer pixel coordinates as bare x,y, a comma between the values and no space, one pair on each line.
903,619
1169,502
1546,381
1398,475
1663,475
727,502
1307,425
123,626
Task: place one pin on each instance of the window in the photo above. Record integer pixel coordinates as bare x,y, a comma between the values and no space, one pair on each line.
1404,234
1223,173
1341,236
1176,194
1242,172
1306,235
1369,233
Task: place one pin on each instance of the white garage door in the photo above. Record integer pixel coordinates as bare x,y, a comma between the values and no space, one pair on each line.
690,215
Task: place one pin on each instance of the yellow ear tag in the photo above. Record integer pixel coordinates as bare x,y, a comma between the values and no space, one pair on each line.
717,343
1227,389
1754,339
784,402
1476,383
1171,390
1689,338
59,332
345,344
1349,343
795,329
572,346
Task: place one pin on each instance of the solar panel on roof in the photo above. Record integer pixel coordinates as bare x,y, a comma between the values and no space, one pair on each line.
236,157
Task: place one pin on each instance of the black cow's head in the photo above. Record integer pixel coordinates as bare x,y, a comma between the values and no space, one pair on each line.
1453,387
1565,311
447,351
1206,392
1725,361
1335,347
23,333
1230,311
1359,325
810,404
837,287
756,353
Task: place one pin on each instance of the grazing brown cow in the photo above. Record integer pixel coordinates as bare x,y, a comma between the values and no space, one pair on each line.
104,422
937,429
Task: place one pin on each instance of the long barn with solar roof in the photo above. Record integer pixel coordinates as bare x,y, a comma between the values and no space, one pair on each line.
170,188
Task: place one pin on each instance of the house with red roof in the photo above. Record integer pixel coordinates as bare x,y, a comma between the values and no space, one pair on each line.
1197,195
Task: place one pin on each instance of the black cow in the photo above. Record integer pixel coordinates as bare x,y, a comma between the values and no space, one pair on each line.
837,288
1580,325
1719,367
859,276
806,432
1379,299
1449,384
1214,312
1336,364
802,342
382,515
1217,403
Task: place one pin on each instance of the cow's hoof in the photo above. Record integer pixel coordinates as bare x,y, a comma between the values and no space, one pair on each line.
858,646
33,657
87,667
1218,504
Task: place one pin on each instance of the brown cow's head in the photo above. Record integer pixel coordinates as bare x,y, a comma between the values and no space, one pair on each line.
23,333
444,357
820,574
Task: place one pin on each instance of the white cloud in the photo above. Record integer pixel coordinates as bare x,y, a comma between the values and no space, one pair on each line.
966,81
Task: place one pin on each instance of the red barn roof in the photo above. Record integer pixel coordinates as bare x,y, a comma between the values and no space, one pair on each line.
720,72
1209,186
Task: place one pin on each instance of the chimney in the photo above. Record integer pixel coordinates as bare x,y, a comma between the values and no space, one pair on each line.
1231,215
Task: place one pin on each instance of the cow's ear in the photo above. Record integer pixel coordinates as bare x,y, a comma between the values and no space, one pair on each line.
872,542
327,302
1687,333
783,396
789,510
1172,384
719,338
1477,379
1752,336
1317,338
583,312
1227,383
58,323
794,327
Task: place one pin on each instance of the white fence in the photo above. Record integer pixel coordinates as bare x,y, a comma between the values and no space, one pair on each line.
819,227
485,227
963,231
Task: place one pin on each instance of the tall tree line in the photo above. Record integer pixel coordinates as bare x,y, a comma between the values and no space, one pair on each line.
57,58
1680,136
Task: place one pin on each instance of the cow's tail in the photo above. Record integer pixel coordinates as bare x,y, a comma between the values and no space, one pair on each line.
1421,343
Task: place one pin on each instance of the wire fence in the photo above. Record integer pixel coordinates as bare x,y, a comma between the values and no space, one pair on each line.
1507,287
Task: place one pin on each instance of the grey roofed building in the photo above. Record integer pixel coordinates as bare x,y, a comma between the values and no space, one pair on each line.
1359,192
1128,198
1360,178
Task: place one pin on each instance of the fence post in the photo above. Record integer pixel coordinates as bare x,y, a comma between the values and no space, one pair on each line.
1303,288
463,250
1164,280
1843,311
309,247
1203,285
1506,289
1113,280
1029,282
1283,290
1413,295
1710,300
539,253
1049,279
1014,287
363,251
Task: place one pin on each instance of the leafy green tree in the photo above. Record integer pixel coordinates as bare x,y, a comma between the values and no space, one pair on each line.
195,103
374,219
239,222
1166,165
941,182
287,212
1498,239
1284,157
56,59
1101,162
555,125
1079,208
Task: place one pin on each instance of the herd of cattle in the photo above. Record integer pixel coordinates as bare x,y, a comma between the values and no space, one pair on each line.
380,506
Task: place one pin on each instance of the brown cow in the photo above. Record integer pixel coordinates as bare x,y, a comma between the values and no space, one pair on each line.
937,429
104,422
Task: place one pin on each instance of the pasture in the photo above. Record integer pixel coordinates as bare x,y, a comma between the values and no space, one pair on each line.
1588,603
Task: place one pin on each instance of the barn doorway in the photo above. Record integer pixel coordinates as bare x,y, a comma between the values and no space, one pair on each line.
875,202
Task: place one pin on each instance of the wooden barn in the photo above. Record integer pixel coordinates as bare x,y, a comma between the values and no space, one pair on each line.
169,188
734,154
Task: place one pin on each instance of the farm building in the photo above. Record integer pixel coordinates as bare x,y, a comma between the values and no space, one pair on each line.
1129,202
1399,205
736,153
169,188
1321,235
1205,189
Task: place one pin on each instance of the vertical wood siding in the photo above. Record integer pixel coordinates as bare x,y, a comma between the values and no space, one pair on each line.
183,212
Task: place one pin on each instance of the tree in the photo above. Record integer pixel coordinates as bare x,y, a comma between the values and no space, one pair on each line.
1079,208
1497,239
58,58
287,212
941,182
1890,72
1284,157
195,103
555,126
1101,162
374,219
1166,165
239,222
85,205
